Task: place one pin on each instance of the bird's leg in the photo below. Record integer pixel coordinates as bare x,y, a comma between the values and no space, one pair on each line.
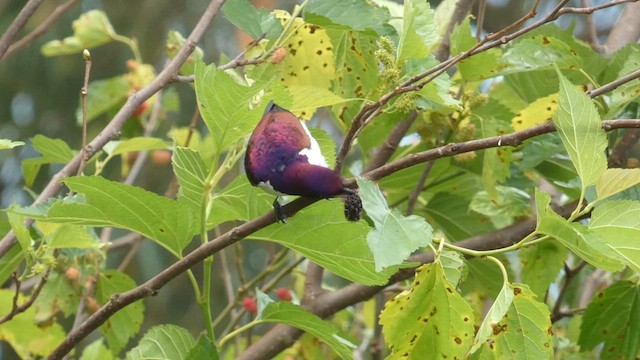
277,208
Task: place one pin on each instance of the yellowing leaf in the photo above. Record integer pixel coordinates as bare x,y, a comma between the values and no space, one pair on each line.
536,113
309,59
613,181
23,334
430,321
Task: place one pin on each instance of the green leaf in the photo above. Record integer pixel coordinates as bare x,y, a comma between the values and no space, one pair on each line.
430,321
105,95
287,313
453,265
613,317
613,181
110,203
175,42
322,235
525,332
17,224
497,311
541,264
239,200
166,342
419,31
224,105
306,99
450,214
354,59
59,295
96,351
580,129
8,144
356,15
204,349
68,236
252,21
580,240
540,52
618,224
191,174
436,94
28,339
90,30
124,324
510,204
395,236
628,92
9,262
480,66
54,151
120,147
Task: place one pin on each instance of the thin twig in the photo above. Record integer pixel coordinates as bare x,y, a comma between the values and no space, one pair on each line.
592,33
569,275
482,7
17,309
39,30
614,84
83,96
18,23
413,198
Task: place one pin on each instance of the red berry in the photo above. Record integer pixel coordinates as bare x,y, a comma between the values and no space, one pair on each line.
250,305
284,294
138,112
161,157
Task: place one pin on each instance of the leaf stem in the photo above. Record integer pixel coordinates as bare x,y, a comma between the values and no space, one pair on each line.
505,276
131,43
526,241
237,331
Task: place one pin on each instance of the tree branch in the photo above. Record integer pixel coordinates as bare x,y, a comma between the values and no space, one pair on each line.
626,30
18,23
39,30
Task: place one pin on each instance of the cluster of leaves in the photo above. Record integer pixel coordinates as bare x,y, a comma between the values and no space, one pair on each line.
342,55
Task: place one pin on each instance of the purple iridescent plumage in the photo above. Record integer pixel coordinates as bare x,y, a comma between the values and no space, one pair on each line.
282,156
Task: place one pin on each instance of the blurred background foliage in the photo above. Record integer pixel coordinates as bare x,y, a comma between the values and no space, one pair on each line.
40,95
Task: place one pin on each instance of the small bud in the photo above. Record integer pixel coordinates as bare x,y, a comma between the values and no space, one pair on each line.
86,54
250,305
284,294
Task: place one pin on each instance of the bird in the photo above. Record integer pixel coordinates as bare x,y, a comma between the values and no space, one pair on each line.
282,157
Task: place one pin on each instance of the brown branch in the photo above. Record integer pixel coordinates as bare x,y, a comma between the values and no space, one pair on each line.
626,30
459,13
614,84
592,33
112,130
39,30
413,198
17,309
18,23
570,274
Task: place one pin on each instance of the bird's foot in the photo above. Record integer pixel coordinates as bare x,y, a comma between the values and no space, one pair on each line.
279,211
